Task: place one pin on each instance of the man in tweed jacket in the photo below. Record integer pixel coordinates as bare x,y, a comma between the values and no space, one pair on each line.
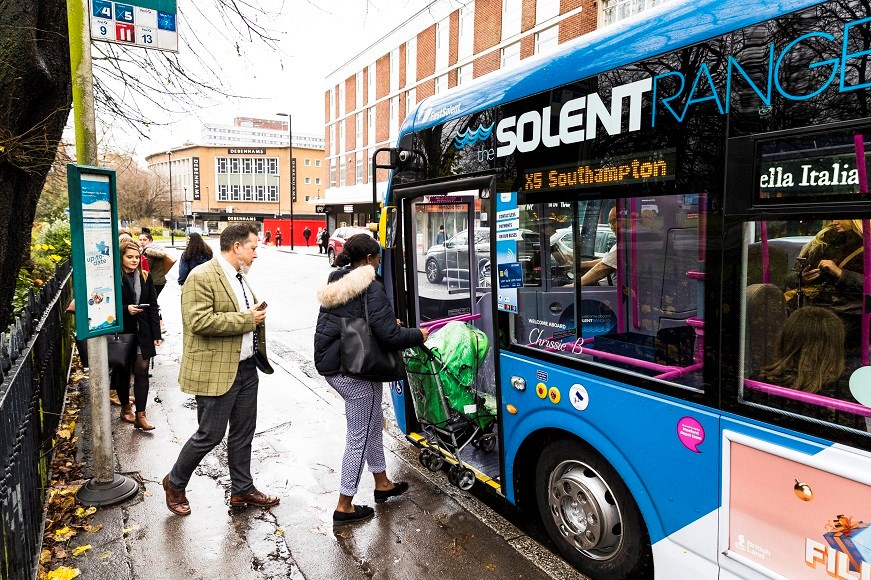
222,325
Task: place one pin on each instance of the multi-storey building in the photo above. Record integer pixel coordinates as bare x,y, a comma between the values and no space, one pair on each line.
214,185
446,44
247,131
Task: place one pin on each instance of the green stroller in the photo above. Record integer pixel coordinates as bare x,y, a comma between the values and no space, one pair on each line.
452,411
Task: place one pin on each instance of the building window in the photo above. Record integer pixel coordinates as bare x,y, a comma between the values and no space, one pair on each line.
307,162
247,165
511,13
441,84
358,130
411,62
371,122
259,165
464,74
308,180
394,117
342,172
234,192
466,40
342,99
546,10
273,193
410,100
358,89
246,192
614,10
332,102
222,192
443,30
317,180
547,40
234,165
333,139
359,174
332,173
317,162
371,82
272,165
222,165
260,192
394,70
510,54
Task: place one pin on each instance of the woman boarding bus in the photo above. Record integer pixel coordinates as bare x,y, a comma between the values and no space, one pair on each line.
631,416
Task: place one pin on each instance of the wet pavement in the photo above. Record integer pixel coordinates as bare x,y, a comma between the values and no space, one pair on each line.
434,531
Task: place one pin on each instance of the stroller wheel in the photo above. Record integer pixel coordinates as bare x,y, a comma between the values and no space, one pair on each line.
435,461
425,457
454,474
486,443
465,479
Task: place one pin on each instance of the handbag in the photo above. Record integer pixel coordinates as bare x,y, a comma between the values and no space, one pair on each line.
120,347
362,355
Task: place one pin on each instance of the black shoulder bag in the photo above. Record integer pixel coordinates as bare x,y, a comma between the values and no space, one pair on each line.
362,356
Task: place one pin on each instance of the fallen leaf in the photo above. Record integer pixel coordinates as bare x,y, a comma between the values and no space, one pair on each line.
83,513
45,556
64,433
78,551
490,567
64,534
279,532
92,529
63,573
105,555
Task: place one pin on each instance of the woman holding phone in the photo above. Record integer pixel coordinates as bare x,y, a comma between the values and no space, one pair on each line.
141,319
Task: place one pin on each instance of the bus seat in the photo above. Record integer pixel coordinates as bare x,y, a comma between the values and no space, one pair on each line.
766,314
778,262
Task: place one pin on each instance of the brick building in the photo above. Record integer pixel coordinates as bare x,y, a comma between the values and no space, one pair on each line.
440,47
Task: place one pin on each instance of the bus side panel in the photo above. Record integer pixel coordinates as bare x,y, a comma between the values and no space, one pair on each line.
665,451
798,507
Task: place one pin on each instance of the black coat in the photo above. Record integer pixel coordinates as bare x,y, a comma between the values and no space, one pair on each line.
146,326
342,297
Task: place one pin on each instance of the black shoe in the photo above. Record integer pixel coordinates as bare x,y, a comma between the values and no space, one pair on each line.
398,489
360,513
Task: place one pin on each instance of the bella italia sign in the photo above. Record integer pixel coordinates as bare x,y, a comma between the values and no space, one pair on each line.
834,174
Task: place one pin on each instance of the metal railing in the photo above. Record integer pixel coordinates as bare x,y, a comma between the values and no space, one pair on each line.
34,360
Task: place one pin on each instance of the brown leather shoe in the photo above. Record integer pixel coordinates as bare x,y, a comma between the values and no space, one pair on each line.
256,498
141,422
176,501
113,398
127,413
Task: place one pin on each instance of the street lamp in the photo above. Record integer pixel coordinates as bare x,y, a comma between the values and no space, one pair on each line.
290,175
171,215
187,209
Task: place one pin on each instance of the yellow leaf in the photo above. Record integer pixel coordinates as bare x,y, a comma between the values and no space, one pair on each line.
45,556
64,433
279,532
83,513
63,573
93,529
490,567
72,426
78,551
64,534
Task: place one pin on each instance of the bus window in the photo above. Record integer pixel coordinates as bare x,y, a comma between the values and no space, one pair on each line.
803,317
621,283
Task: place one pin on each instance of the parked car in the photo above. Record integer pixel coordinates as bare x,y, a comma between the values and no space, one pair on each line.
194,230
451,259
337,241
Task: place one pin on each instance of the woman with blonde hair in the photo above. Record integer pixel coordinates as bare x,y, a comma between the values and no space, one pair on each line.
831,276
139,299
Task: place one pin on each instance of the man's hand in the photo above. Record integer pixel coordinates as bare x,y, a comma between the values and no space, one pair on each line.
259,315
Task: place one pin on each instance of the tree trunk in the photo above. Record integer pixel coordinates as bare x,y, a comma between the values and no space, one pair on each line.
35,101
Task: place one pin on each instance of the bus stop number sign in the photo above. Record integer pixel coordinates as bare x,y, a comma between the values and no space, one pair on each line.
143,23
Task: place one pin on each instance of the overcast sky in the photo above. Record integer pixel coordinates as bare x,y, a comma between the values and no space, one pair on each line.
315,38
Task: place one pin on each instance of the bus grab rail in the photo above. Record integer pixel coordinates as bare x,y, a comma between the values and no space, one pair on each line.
805,397
436,324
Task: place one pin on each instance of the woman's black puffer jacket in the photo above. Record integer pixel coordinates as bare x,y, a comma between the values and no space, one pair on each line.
342,297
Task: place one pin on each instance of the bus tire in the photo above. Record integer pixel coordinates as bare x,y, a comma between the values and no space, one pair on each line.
589,513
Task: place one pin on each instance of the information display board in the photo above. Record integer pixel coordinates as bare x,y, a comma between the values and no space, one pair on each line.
145,23
96,267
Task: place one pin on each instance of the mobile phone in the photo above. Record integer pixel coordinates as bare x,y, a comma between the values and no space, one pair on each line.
145,305
261,306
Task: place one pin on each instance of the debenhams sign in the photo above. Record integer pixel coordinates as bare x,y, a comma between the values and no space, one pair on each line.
246,151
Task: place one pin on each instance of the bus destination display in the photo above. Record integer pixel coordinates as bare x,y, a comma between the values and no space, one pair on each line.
639,168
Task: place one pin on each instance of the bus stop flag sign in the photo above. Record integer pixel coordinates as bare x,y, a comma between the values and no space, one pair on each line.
143,23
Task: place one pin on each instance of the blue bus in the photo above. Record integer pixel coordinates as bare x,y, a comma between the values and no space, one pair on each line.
662,230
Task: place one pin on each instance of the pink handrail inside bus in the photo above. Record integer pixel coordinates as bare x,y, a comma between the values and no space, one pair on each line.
621,313
805,397
633,234
679,372
766,265
434,325
859,145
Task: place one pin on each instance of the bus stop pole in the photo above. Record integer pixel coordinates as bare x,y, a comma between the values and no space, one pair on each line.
106,487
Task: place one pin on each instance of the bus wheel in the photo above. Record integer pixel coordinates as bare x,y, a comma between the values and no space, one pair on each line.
590,514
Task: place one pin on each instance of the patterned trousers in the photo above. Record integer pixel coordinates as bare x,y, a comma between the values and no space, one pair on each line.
363,444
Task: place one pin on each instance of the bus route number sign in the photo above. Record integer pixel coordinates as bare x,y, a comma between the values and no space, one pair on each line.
142,23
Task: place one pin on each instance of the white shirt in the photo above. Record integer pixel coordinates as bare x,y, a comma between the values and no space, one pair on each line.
247,338
610,257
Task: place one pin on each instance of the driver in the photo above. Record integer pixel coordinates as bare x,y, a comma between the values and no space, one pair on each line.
603,267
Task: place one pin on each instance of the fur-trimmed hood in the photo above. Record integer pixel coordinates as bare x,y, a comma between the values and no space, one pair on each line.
347,287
